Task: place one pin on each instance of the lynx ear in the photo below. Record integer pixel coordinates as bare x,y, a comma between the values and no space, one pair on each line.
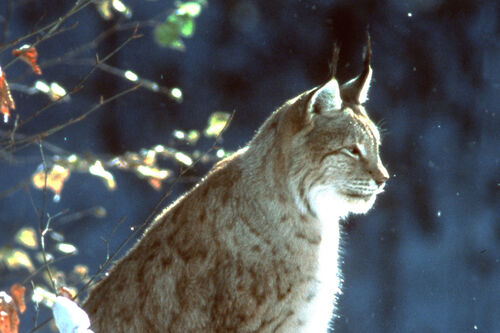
356,90
326,98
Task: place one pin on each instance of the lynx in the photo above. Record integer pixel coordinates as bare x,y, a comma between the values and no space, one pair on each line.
253,247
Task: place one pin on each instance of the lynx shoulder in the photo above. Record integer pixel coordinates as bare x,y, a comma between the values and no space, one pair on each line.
254,246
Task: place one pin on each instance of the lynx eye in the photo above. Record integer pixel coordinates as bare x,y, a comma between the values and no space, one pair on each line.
353,151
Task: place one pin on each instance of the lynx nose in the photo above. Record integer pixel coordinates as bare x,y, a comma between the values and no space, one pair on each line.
380,174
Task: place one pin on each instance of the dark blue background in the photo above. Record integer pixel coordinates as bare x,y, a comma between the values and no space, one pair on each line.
426,259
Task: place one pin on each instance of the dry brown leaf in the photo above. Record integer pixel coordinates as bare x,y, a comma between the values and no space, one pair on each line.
6,100
29,55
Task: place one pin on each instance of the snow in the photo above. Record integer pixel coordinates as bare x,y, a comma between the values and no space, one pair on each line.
69,317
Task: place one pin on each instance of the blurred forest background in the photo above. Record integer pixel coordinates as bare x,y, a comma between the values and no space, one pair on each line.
426,259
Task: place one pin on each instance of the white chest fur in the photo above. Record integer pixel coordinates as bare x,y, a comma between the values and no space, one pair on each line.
329,208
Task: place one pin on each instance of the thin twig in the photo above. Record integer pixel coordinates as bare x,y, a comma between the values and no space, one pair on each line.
42,230
44,266
77,7
42,135
76,88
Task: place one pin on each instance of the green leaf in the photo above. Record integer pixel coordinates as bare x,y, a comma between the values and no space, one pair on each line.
178,45
66,248
27,237
183,158
187,29
178,24
192,9
165,34
193,136
216,123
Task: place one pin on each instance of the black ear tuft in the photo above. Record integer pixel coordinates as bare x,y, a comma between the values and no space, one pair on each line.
356,90
335,60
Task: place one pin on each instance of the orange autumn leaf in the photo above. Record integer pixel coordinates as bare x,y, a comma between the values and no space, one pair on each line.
5,111
29,55
65,292
81,272
9,320
54,180
6,100
155,183
17,293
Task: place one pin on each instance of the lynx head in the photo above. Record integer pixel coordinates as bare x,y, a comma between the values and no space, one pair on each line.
332,147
